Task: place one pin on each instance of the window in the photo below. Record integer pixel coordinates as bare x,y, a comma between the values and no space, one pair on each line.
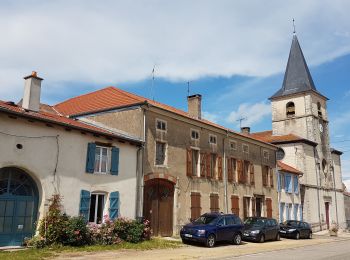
195,160
245,149
212,165
265,173
290,109
235,205
233,145
251,173
97,202
246,206
246,166
319,110
288,183
101,159
281,212
324,166
280,154
160,153
296,184
195,205
161,125
231,169
266,155
214,203
194,134
212,139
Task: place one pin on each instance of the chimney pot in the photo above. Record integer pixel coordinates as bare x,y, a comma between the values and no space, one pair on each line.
245,130
195,106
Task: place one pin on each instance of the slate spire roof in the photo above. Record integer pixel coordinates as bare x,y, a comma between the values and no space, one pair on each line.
297,77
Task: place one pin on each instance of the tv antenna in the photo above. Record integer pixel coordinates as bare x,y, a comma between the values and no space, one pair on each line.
240,121
152,90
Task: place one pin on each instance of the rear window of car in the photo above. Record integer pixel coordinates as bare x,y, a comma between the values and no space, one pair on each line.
205,220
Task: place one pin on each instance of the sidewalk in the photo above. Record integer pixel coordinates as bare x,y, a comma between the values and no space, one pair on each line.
341,234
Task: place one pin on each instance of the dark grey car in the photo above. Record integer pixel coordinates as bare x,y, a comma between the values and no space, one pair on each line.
260,229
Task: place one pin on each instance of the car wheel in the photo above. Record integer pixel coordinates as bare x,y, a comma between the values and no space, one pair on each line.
262,238
278,237
237,239
186,242
210,241
297,236
310,235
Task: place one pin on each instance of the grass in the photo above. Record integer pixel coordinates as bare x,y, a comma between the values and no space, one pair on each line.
32,253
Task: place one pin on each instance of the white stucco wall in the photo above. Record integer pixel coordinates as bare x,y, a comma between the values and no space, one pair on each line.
39,156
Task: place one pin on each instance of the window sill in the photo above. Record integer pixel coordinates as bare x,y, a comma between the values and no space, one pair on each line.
102,173
161,166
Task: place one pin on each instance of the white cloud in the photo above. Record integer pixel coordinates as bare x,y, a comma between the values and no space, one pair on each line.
210,116
347,184
253,113
106,42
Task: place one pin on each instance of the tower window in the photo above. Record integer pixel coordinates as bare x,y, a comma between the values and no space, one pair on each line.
290,109
319,110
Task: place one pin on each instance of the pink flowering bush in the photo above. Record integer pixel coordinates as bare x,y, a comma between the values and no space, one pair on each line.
104,233
147,231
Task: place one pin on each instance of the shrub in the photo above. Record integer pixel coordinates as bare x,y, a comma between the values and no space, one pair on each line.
129,230
77,233
104,234
36,242
147,231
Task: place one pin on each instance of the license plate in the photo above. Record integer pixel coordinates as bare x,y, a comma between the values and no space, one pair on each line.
282,231
188,235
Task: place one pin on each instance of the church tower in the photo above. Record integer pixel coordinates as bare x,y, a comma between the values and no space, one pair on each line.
299,108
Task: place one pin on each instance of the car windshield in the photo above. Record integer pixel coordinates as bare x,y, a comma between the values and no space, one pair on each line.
290,223
205,220
255,222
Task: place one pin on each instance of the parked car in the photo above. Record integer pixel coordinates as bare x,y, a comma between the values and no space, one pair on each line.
260,229
295,229
212,227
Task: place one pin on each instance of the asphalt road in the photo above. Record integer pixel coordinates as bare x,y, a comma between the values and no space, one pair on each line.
338,250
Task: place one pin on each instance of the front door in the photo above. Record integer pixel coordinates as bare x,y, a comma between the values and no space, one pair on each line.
326,204
158,206
18,206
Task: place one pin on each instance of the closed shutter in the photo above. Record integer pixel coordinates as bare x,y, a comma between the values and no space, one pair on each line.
269,207
90,158
214,203
219,167
115,161
189,162
84,206
252,179
281,212
229,170
254,207
240,171
114,205
203,166
296,211
235,205
195,205
296,184
287,212
271,177
208,165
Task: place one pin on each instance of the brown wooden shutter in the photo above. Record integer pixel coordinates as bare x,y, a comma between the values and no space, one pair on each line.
208,165
189,162
240,171
229,170
219,167
195,205
214,203
235,205
203,166
253,207
252,179
264,176
269,207
271,177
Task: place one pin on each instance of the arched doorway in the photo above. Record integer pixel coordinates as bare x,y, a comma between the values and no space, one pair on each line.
158,206
18,206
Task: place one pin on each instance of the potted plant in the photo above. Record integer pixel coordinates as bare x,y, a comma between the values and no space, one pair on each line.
333,230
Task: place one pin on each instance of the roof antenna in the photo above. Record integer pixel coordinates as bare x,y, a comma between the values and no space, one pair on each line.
240,121
293,26
152,92
188,88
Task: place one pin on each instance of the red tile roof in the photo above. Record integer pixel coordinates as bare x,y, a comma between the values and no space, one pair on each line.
50,117
268,137
286,168
111,98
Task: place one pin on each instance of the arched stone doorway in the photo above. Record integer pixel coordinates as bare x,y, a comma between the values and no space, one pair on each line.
18,206
158,205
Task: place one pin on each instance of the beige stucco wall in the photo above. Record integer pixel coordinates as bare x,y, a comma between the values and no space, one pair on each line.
38,158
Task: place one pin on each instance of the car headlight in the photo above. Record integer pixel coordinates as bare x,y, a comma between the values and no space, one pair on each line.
201,232
291,230
254,232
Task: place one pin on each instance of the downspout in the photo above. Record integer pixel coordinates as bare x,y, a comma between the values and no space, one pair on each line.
139,183
335,193
225,174
317,165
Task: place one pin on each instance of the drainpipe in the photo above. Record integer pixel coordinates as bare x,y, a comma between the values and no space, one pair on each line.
317,165
225,174
335,193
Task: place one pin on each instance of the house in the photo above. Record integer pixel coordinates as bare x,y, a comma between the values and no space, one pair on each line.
300,128
347,208
43,153
190,165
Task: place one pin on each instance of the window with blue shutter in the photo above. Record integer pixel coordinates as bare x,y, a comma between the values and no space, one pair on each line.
115,161
84,206
296,211
114,204
296,184
288,183
90,158
281,212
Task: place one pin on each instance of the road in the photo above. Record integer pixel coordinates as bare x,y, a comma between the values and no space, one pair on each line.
339,250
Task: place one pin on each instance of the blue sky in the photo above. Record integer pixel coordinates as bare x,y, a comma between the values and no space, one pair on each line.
234,53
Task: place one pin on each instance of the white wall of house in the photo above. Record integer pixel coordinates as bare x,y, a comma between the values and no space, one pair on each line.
39,157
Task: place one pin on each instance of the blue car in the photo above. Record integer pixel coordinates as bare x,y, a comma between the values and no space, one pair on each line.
212,227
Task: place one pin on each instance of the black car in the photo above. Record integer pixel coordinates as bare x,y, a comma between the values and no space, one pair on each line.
212,227
295,229
260,229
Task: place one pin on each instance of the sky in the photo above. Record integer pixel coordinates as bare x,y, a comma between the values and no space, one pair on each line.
234,53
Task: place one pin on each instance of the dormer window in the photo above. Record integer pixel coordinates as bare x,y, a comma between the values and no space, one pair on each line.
319,110
290,108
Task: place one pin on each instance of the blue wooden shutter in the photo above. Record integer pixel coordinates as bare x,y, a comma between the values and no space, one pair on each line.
281,212
84,206
115,161
290,189
287,212
278,181
296,185
90,158
296,211
114,204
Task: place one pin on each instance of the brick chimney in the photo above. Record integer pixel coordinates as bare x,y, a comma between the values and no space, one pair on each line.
32,89
195,106
245,130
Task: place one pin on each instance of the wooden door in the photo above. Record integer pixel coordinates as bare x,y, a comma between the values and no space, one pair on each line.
158,206
326,204
269,207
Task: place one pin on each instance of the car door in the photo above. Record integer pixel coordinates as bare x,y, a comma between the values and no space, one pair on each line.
233,226
221,229
304,230
270,230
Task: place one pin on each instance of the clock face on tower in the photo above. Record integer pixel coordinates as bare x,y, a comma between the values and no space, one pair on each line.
321,128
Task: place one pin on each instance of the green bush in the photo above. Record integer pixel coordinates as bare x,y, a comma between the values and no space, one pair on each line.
36,242
77,233
129,230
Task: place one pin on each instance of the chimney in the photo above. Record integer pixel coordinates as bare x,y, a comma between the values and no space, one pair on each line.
195,106
32,89
245,130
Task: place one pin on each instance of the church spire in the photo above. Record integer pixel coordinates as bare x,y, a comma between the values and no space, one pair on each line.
297,77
